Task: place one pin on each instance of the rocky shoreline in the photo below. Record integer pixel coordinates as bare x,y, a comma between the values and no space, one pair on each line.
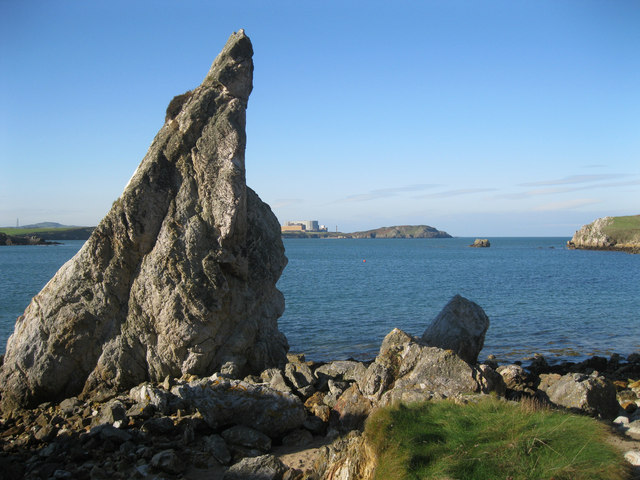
12,240
221,427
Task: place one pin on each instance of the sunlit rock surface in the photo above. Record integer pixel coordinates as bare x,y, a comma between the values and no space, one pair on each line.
179,277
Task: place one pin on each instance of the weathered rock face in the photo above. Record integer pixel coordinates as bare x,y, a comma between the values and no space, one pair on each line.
460,326
609,233
178,278
592,394
592,235
406,370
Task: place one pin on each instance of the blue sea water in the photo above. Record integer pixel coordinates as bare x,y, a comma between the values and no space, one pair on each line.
344,296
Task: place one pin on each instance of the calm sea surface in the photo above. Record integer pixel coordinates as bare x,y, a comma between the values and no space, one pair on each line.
344,296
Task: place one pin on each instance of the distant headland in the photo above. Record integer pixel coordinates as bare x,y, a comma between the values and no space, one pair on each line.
42,234
609,233
401,231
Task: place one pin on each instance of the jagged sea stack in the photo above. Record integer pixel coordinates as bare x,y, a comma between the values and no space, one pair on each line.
178,278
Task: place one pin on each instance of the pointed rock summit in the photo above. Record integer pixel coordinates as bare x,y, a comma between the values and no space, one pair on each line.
179,277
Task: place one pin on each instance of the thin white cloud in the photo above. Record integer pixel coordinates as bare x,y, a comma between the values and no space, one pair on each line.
455,193
575,179
551,191
569,204
387,192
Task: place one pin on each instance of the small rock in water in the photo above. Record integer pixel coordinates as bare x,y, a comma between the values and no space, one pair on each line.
480,243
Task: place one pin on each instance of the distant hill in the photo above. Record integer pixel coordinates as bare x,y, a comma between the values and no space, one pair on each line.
402,231
46,225
609,233
49,231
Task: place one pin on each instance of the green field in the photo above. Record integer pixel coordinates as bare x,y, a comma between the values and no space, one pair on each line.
47,233
624,229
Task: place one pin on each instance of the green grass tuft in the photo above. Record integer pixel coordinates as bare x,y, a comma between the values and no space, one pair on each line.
490,439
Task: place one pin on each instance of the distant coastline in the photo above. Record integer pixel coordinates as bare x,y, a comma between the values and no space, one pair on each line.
401,231
45,233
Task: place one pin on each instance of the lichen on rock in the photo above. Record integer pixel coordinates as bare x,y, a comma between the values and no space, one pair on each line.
178,278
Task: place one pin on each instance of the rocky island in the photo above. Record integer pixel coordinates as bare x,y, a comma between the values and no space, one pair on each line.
481,243
401,231
609,233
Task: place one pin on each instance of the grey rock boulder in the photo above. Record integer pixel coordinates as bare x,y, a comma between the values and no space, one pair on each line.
223,402
460,326
351,410
407,370
215,446
168,461
178,278
264,467
246,437
342,369
516,378
588,393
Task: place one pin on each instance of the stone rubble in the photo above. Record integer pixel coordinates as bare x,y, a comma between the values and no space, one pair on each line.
175,427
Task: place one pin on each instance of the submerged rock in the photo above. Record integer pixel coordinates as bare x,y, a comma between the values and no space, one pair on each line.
179,277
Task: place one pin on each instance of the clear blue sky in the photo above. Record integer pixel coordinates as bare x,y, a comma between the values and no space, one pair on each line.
481,118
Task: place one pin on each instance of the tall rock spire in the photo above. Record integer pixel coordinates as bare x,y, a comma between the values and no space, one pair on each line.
178,278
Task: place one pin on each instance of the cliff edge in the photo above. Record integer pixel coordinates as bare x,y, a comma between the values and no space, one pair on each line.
609,233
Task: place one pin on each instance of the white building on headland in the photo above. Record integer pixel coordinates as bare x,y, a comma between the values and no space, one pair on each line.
306,225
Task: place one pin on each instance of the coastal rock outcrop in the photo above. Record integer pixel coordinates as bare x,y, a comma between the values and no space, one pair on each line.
609,233
481,243
460,326
180,276
10,240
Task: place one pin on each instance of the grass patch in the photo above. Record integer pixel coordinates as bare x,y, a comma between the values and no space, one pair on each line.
490,439
624,229
50,233
32,231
